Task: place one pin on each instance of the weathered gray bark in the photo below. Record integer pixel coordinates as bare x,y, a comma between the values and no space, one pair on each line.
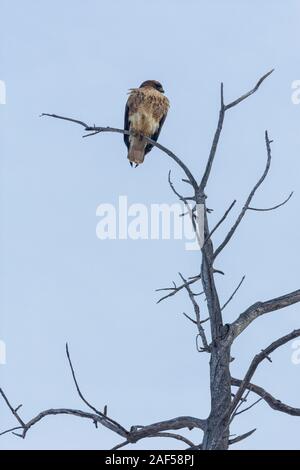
216,434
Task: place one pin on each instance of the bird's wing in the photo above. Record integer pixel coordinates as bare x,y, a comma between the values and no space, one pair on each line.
134,101
156,134
126,125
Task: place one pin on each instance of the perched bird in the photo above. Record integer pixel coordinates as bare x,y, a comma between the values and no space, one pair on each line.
145,112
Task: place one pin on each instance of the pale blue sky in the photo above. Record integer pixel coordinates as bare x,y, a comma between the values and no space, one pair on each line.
59,283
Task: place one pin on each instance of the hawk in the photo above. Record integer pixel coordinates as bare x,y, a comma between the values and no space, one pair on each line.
145,112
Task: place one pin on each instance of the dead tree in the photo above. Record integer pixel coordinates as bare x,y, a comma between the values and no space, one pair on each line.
216,343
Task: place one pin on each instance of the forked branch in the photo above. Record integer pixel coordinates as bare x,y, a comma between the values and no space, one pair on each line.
134,434
264,354
175,289
249,199
273,402
223,109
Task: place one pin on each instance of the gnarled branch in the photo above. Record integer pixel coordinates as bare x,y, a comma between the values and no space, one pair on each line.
264,354
97,417
273,402
261,308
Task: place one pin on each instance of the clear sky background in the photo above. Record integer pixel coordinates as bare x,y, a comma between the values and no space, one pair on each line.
59,283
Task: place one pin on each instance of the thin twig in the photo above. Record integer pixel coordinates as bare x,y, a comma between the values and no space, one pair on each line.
220,222
189,318
249,199
272,208
174,290
248,407
85,400
184,200
194,321
246,95
77,386
11,430
197,314
241,437
122,444
56,116
242,400
12,409
234,292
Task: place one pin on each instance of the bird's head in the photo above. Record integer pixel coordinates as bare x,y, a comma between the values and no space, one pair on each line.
153,84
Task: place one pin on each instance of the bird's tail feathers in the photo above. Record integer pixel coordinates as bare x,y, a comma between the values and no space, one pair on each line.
136,153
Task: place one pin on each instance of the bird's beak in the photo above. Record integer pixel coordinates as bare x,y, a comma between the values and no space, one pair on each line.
162,90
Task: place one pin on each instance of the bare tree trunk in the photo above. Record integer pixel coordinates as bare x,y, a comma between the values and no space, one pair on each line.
216,435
